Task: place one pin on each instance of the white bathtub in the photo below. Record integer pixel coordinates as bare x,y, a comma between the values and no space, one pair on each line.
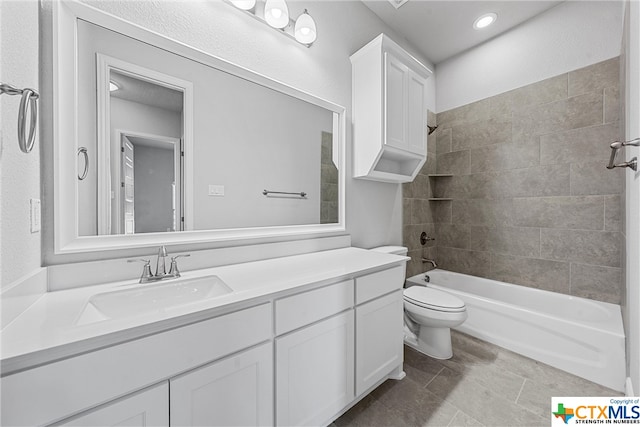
577,335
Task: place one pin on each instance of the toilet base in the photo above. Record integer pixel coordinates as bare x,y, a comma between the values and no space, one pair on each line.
433,342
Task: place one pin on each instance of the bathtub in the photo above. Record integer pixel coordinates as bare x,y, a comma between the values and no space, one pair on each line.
578,335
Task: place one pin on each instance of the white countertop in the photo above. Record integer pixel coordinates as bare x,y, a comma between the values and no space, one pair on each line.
48,330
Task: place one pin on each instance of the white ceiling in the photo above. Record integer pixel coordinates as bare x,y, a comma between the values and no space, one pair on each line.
440,29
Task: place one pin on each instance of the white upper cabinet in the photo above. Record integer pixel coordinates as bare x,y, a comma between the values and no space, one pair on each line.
389,112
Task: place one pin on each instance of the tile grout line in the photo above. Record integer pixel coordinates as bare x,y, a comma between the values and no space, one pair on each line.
520,392
454,417
434,377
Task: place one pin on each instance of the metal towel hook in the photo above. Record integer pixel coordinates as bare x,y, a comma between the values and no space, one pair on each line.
29,101
83,150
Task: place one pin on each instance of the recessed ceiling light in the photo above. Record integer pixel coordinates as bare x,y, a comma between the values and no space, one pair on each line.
485,20
397,3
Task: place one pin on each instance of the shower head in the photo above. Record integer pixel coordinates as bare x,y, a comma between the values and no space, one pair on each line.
432,129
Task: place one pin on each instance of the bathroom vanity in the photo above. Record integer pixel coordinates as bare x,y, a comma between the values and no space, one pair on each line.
297,341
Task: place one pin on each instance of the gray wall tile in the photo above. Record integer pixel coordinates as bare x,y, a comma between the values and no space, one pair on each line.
596,282
520,241
578,145
542,92
406,211
464,261
453,235
595,178
478,134
576,112
441,212
613,213
456,162
504,157
467,113
429,166
531,200
595,77
536,273
421,212
479,238
587,247
559,212
443,140
482,212
611,105
552,180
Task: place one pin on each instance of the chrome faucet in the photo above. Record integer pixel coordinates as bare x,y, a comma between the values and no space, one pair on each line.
161,272
160,268
432,261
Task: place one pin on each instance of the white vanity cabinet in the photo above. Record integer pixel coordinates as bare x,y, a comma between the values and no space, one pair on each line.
315,362
52,392
389,112
314,372
236,391
379,323
148,408
298,355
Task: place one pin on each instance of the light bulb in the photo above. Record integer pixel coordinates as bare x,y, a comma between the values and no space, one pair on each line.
276,13
485,20
305,29
244,4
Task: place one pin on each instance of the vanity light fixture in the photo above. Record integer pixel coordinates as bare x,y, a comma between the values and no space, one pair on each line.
275,13
113,86
485,20
244,4
305,28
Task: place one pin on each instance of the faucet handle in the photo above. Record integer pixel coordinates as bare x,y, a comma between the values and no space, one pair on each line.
146,268
173,269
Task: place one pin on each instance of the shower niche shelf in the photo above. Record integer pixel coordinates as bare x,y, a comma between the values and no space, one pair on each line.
439,199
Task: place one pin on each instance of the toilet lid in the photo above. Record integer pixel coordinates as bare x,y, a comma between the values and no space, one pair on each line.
433,299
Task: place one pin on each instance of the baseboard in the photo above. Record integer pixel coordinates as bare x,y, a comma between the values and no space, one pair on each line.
628,388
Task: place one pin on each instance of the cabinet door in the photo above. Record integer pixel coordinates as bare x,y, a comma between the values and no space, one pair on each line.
417,114
379,339
147,408
395,102
236,391
314,372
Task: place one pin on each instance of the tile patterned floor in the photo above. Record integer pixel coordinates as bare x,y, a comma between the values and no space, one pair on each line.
481,385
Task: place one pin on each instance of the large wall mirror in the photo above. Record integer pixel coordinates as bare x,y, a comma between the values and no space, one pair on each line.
181,146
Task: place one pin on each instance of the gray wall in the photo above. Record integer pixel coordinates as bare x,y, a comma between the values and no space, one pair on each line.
153,176
532,203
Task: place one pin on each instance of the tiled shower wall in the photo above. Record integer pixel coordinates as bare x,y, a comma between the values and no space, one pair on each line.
418,211
328,182
531,200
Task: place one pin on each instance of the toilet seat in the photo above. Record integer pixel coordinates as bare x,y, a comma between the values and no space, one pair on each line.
433,299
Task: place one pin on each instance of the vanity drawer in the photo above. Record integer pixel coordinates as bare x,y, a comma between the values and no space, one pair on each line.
374,285
33,397
308,307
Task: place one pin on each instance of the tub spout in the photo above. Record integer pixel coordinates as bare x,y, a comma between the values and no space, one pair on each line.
432,261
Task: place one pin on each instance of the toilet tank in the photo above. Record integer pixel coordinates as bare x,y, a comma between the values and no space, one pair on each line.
396,250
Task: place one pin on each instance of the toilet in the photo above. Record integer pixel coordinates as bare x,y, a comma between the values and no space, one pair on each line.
429,315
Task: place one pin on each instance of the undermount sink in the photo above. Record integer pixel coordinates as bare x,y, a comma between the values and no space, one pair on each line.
151,298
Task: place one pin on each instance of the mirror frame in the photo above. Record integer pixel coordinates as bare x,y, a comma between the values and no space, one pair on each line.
65,167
